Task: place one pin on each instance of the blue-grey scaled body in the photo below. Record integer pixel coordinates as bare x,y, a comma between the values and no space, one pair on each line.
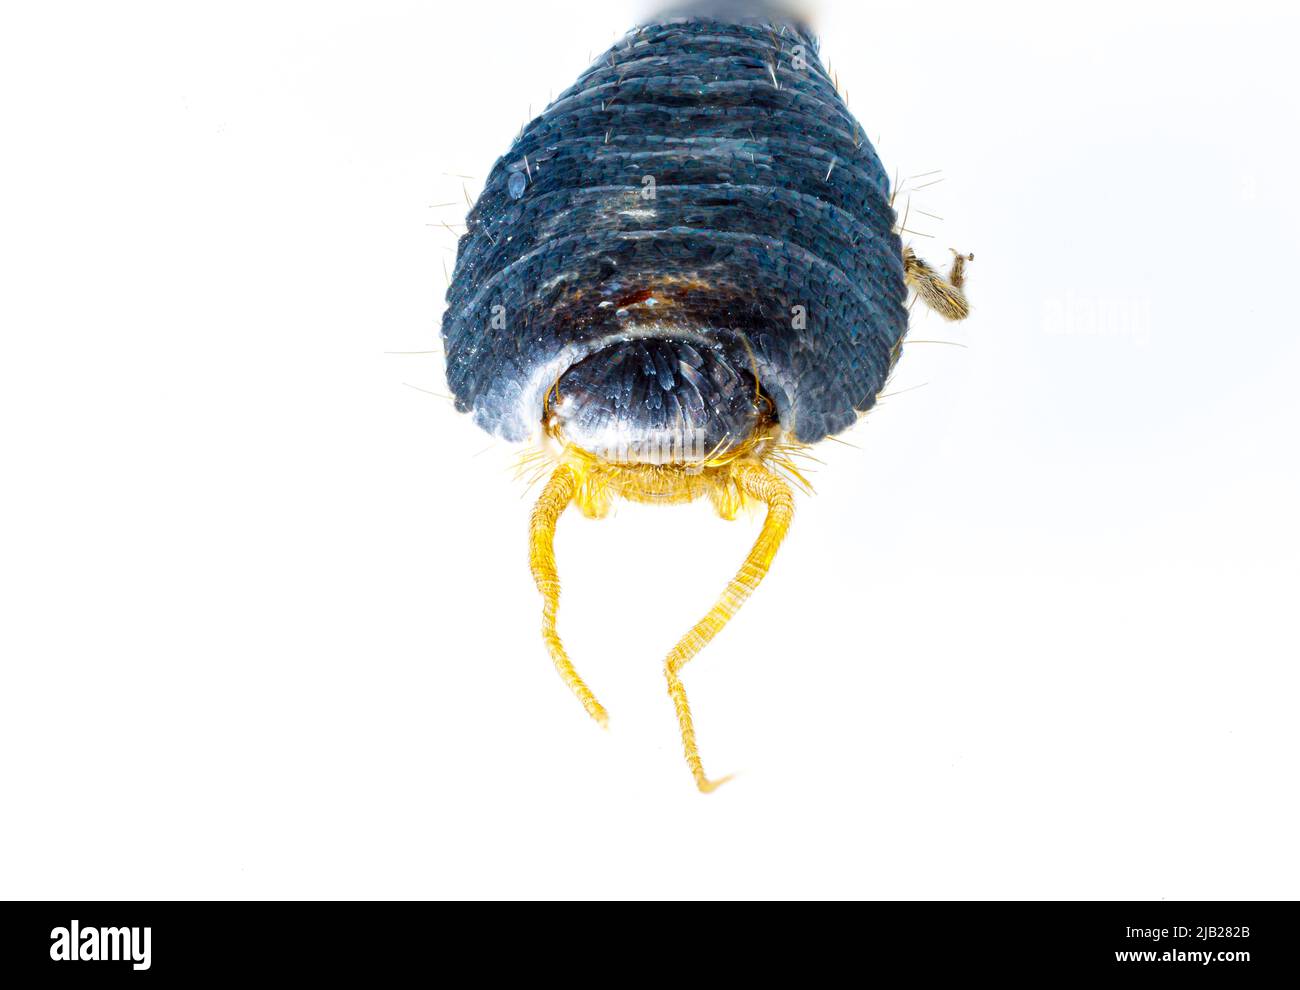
698,220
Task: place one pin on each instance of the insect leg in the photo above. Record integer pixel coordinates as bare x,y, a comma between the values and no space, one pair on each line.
761,484
945,296
555,499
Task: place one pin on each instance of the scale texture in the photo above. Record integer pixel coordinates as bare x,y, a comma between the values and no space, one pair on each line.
704,183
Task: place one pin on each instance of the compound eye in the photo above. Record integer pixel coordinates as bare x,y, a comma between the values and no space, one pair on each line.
651,401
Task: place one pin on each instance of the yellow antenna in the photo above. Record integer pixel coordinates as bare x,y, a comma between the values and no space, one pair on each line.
761,484
753,481
555,499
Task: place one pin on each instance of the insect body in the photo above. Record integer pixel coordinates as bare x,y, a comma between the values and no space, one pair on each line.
688,265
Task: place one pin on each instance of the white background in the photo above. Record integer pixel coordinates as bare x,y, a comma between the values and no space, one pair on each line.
268,628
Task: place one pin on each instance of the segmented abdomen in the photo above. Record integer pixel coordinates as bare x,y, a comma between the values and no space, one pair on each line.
702,181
